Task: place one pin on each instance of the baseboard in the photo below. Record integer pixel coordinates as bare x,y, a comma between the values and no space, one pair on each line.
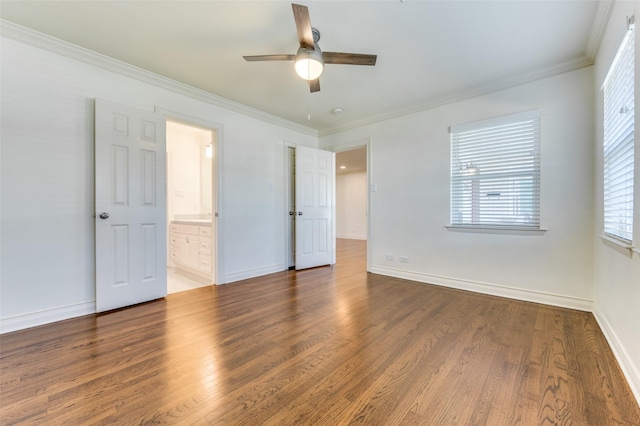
252,273
352,237
491,289
629,369
20,322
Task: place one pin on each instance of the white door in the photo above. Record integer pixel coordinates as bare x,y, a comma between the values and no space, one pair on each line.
130,206
291,206
315,182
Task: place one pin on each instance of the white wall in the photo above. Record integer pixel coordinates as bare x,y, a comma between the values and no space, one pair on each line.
46,181
617,273
351,206
47,177
410,159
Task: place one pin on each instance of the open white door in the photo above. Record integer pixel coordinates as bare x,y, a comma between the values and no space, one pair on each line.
315,182
130,206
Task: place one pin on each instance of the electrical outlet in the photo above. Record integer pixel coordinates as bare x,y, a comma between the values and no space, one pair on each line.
404,259
389,257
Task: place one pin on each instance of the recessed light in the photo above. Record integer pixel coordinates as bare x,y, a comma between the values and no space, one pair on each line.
336,111
343,167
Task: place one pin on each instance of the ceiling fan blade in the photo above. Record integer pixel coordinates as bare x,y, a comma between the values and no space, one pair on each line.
348,58
314,85
303,25
269,58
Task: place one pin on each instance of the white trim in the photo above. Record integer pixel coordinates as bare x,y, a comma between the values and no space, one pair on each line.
618,244
33,319
599,26
629,369
61,47
252,273
616,241
44,41
544,298
479,90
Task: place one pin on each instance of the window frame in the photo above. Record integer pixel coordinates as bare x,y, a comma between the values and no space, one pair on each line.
474,222
621,141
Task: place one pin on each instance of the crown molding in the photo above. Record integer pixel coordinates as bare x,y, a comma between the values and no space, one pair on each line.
600,22
471,92
594,40
43,41
34,38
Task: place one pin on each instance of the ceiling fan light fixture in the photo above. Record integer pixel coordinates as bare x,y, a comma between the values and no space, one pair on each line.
309,63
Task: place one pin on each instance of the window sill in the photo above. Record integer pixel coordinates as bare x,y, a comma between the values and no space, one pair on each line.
625,248
496,230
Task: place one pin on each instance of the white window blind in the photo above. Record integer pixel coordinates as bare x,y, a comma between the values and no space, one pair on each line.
618,90
495,172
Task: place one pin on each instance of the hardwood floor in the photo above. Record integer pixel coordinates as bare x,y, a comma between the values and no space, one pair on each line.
326,346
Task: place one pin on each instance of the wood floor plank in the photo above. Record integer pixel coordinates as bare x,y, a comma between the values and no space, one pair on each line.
327,346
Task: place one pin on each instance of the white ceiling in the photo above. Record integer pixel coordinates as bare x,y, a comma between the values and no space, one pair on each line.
429,52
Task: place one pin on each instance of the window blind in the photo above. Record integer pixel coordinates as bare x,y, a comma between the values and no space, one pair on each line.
495,172
619,143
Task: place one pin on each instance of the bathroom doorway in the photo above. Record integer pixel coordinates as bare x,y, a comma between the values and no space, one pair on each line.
191,206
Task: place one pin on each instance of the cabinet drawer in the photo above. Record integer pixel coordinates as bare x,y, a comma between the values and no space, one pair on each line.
190,229
205,263
174,228
205,246
205,231
174,240
175,255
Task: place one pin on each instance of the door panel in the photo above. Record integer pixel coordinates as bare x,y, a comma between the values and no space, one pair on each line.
130,189
315,181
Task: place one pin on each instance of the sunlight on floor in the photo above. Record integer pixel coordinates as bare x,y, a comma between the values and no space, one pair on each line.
179,280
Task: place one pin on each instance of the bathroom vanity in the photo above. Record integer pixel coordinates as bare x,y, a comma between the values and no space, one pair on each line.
190,246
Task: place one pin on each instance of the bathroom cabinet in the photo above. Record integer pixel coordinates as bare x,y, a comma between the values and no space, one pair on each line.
191,247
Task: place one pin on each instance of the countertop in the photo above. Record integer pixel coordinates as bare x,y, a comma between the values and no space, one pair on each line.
199,222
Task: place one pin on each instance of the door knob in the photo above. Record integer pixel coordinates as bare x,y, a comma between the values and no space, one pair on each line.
291,213
104,215
299,213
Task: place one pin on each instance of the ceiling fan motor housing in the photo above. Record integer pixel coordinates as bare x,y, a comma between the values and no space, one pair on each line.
309,63
309,59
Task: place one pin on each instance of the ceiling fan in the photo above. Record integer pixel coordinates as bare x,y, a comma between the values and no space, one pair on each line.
309,60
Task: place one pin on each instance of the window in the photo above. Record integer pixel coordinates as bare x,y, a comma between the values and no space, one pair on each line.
619,142
495,173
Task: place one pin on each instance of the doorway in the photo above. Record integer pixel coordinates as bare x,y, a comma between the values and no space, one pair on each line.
351,194
354,192
191,212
